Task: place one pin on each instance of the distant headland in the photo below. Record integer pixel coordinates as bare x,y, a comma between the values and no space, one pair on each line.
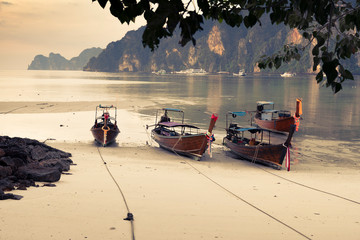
57,62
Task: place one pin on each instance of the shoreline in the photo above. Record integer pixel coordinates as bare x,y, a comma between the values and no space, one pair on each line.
22,107
171,197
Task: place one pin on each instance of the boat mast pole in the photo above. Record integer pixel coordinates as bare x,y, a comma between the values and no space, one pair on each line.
214,117
96,113
291,132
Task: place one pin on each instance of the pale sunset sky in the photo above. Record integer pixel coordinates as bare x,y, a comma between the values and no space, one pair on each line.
32,27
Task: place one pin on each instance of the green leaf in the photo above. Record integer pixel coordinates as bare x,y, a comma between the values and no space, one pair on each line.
336,87
102,2
250,20
319,77
348,75
315,51
316,63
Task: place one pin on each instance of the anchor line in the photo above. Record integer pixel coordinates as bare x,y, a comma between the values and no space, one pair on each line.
13,110
149,137
309,187
243,200
129,216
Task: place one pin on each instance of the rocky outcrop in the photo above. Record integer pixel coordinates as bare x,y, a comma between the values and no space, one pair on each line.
214,41
219,47
57,62
25,161
129,63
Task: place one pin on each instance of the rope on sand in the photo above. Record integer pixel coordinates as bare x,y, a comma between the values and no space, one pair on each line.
245,201
312,188
149,137
130,216
13,110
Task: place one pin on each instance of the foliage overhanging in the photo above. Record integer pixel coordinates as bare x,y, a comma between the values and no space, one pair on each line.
329,26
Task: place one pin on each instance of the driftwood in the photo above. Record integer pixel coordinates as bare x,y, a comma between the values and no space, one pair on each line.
25,161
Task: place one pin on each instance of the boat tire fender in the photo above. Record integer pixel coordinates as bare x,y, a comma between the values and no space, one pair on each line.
107,128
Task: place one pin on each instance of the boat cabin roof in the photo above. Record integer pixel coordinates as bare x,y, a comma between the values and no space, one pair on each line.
172,109
264,103
270,111
240,114
176,124
251,129
243,129
101,106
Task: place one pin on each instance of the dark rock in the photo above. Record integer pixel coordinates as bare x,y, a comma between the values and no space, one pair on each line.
16,152
5,171
24,161
49,185
4,196
14,163
61,164
2,152
7,184
38,153
53,154
21,187
23,184
39,173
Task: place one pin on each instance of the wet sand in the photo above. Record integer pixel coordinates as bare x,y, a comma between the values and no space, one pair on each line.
172,197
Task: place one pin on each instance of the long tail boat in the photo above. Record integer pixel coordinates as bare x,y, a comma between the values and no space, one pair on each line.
277,120
105,129
253,143
179,137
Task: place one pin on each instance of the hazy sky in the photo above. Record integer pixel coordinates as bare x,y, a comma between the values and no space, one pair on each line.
32,27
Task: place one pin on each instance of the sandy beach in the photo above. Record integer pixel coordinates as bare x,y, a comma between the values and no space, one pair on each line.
170,197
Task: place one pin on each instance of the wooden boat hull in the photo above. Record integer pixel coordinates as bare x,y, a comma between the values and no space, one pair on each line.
271,155
189,145
105,137
282,124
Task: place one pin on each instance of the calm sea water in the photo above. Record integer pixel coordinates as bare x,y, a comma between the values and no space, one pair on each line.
330,125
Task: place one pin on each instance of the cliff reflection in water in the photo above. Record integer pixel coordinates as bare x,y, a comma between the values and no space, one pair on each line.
325,115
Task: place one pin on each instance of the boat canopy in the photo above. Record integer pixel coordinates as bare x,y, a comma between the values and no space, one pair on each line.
264,103
175,124
243,129
101,106
172,109
269,111
240,114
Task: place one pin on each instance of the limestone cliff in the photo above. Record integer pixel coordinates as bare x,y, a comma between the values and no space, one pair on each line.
214,41
219,47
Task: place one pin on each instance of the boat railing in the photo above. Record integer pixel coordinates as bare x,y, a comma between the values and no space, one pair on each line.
105,110
165,118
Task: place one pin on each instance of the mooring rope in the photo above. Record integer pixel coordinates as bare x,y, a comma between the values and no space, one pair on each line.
13,110
256,153
149,137
173,148
129,216
309,187
243,200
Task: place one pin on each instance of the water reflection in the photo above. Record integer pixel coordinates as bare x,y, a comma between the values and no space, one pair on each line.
325,115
